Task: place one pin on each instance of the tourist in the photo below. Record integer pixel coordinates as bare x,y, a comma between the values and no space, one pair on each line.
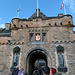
36,71
15,71
52,71
46,70
21,72
42,70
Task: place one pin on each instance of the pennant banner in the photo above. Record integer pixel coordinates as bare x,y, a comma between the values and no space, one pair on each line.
62,6
18,10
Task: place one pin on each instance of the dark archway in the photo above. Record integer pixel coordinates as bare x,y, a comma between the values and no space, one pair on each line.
33,56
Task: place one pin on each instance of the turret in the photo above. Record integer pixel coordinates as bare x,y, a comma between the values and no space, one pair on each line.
15,22
7,26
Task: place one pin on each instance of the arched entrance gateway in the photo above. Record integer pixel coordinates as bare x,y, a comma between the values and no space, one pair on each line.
36,58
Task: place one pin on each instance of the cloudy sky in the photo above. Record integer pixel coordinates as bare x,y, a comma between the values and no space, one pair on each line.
51,8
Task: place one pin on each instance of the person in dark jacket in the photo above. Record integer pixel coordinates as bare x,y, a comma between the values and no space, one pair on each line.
15,71
46,70
41,72
36,71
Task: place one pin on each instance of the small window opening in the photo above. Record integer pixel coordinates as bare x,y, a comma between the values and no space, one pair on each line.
61,23
31,36
27,26
21,26
55,24
14,25
69,22
43,36
36,19
49,24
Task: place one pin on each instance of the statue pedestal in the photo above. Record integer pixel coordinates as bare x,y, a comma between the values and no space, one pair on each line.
62,69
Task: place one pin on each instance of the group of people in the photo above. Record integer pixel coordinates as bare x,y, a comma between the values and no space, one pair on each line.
44,71
16,71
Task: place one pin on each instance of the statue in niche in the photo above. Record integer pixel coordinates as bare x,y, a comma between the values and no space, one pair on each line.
15,60
61,60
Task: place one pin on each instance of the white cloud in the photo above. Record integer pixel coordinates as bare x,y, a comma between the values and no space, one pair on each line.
2,25
70,4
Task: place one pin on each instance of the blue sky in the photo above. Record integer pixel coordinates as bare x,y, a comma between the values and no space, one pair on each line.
51,8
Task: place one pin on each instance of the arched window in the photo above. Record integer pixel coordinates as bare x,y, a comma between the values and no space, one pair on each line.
16,52
60,52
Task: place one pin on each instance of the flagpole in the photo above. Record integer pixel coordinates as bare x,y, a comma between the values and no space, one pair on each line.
37,8
64,7
18,15
18,12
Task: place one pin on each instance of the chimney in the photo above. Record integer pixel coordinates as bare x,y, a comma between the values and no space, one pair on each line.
7,26
59,15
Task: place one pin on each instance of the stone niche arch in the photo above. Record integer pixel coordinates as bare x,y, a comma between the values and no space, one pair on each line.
34,55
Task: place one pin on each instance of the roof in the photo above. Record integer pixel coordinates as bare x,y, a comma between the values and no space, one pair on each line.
41,15
4,32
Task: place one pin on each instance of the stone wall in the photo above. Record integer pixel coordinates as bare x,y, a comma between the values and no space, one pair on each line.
6,56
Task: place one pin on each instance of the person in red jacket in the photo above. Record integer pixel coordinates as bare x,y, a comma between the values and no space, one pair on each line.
52,71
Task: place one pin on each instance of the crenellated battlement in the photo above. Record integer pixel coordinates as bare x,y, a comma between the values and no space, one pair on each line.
59,21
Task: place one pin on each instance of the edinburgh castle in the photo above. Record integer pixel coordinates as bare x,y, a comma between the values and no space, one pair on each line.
40,40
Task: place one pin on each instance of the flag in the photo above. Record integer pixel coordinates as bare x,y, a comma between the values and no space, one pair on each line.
18,10
62,6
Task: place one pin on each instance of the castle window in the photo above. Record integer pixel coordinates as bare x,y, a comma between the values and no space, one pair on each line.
31,37
61,23
27,26
14,25
21,26
49,24
36,19
16,52
69,22
44,37
60,52
55,24
42,30
38,36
